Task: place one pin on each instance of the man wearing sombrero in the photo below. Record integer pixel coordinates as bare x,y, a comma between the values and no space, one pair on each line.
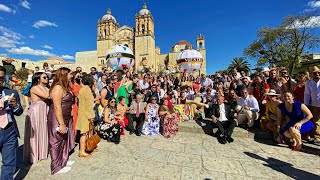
312,100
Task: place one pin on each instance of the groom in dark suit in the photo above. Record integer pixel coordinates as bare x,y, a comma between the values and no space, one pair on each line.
223,116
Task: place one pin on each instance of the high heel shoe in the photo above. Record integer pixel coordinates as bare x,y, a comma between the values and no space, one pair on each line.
85,155
297,148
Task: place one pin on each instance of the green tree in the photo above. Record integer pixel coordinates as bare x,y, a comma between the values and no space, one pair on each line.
284,46
240,64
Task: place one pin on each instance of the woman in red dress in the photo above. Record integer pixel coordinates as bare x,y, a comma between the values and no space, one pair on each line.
121,117
258,88
75,88
298,92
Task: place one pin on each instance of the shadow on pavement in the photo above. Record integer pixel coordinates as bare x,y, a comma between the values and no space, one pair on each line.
284,167
315,150
22,167
207,126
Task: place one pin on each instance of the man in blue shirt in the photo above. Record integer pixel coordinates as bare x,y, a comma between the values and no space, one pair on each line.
9,132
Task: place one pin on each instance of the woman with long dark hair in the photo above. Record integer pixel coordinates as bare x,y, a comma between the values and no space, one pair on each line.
110,129
168,122
60,126
36,131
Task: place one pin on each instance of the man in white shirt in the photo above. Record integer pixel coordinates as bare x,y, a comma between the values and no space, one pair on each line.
223,116
144,82
250,109
189,93
312,100
207,82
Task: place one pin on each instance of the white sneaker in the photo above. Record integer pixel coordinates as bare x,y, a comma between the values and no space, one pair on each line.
64,170
69,163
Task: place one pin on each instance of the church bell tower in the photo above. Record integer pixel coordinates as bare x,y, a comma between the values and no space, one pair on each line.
107,27
144,38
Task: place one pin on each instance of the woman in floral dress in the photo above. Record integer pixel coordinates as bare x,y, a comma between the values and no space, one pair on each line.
151,125
110,129
168,122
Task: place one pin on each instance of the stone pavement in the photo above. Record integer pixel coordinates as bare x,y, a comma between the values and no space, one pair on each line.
186,156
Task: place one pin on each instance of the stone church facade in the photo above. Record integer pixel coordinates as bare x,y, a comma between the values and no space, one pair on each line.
140,39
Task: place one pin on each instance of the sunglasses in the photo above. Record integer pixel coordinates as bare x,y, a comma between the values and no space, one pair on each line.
112,101
2,78
153,99
44,78
316,73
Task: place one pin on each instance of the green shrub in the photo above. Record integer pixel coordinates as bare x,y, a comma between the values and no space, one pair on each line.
22,74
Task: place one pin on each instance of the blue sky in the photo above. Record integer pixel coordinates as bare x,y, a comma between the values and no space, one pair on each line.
37,29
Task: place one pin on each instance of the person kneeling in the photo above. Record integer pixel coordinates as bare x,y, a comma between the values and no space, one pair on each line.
222,116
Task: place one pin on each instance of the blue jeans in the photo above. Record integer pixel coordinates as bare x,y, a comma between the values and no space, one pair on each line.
6,80
8,148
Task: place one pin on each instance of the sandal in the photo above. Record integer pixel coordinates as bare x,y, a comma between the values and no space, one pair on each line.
85,155
95,150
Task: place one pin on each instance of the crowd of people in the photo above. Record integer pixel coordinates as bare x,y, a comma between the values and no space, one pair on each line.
64,106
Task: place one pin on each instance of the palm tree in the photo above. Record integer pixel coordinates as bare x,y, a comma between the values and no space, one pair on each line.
240,64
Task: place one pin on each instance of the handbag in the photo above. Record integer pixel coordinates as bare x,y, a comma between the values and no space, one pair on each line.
92,138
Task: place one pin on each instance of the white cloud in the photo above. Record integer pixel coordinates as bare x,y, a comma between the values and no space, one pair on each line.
47,47
67,57
9,38
3,55
6,9
29,51
25,4
43,23
312,22
314,4
1,18
31,36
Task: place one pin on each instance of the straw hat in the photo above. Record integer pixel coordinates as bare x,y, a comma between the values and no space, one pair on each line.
272,92
314,69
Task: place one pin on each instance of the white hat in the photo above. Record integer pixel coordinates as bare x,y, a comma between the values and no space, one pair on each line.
272,92
265,69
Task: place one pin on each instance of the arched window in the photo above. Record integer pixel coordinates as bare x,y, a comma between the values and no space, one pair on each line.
200,45
143,29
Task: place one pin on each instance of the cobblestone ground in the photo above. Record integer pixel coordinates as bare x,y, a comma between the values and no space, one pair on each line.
186,156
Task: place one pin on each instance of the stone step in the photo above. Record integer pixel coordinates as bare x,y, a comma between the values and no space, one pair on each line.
206,127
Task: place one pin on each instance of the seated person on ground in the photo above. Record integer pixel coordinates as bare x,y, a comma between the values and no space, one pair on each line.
249,110
222,116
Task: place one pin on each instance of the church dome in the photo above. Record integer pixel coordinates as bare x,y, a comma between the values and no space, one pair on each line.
144,10
182,42
108,16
